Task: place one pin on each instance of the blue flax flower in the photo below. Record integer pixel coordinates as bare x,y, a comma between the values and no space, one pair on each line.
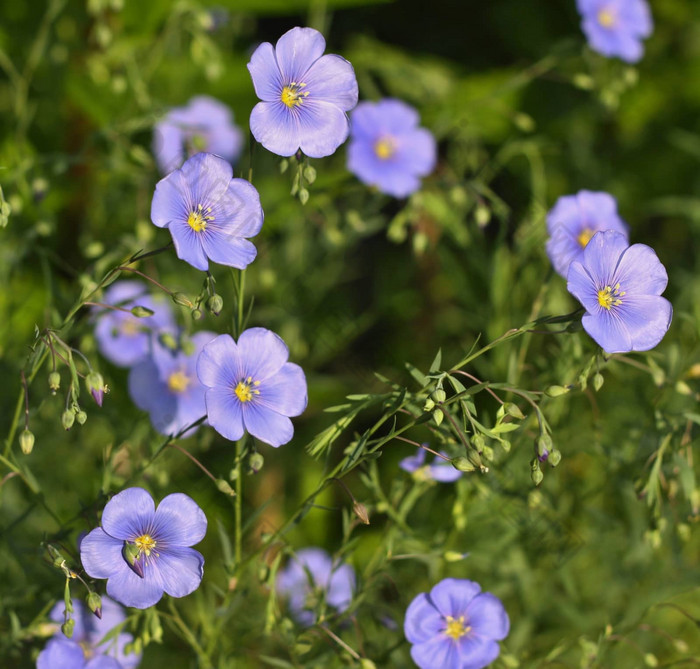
455,626
143,551
251,386
387,148
304,95
620,288
123,338
616,27
311,577
84,650
166,385
204,124
572,222
208,212
438,470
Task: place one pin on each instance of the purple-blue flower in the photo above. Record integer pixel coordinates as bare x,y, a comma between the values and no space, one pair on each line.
311,577
620,288
455,626
572,222
616,27
208,212
123,338
204,124
165,384
304,95
143,551
387,149
251,386
84,650
438,470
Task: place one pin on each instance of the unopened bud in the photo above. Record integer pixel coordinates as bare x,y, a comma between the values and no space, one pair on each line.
454,556
81,417
554,457
182,300
196,314
537,476
598,381
26,441
360,510
482,216
309,174
513,410
168,340
96,386
215,304
67,627
429,405
54,382
141,312
225,488
438,395
438,416
543,446
651,660
478,442
94,602
474,457
462,464
556,391
303,195
67,419
256,462
133,557
366,663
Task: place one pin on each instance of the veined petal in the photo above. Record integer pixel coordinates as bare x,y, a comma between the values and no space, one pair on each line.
188,245
207,177
487,617
128,514
323,127
332,79
418,152
296,52
275,127
451,596
179,570
285,392
609,331
602,254
103,662
413,462
267,425
477,652
219,363
262,353
341,588
440,651
423,621
61,653
131,590
179,521
265,72
170,200
583,287
224,412
647,318
100,554
239,212
228,249
640,272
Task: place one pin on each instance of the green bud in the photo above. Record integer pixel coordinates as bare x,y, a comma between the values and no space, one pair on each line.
187,346
474,457
482,216
367,664
182,300
54,382
554,457
196,314
215,304
682,388
224,487
478,442
141,312
583,81
513,410
524,122
94,602
96,386
438,395
537,476
256,462
651,660
462,464
168,340
429,405
505,444
556,391
67,627
309,174
438,417
284,165
598,381
81,417
487,453
67,419
26,441
454,556
543,444
303,195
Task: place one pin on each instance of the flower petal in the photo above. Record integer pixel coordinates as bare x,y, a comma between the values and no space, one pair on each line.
131,590
170,200
100,554
218,365
647,318
487,616
224,413
418,152
602,255
180,570
323,127
262,353
188,245
640,271
285,392
275,127
265,72
451,596
440,651
207,177
61,653
423,621
341,588
127,514
267,425
227,249
413,462
476,652
179,521
608,330
332,79
103,662
583,287
296,51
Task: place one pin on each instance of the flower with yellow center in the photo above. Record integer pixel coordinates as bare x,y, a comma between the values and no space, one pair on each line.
456,627
384,148
609,297
245,389
145,543
606,18
292,95
584,237
199,218
178,381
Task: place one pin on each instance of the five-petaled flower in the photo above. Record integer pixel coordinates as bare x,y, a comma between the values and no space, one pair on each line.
455,626
208,212
251,386
620,288
85,648
312,577
572,222
143,551
204,124
166,385
438,470
305,95
387,149
122,337
616,27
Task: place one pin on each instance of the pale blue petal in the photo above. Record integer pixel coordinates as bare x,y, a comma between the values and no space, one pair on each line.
608,330
267,425
423,621
341,588
476,652
224,412
219,364
188,245
648,318
451,596
262,353
441,651
131,590
285,392
414,462
228,250
266,75
179,570
640,272
276,127
207,178
487,617
128,514
332,79
296,51
100,554
170,200
179,521
61,653
103,662
323,127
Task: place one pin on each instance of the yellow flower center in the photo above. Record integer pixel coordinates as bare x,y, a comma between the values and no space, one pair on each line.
609,297
606,18
145,543
245,389
87,651
178,382
456,627
585,237
292,95
384,148
199,218
130,327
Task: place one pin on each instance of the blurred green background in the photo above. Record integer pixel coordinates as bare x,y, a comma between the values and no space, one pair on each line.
598,566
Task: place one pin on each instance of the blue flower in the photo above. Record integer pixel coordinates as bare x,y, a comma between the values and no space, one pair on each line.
438,470
251,386
123,338
572,222
84,650
208,212
616,27
204,124
455,626
166,385
311,577
304,95
143,551
387,148
620,288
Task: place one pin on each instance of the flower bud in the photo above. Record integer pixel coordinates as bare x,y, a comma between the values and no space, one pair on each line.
309,174
513,410
54,382
556,391
215,304
543,446
554,457
598,381
462,464
438,395
67,627
94,602
168,340
96,386
303,195
537,476
67,419
182,300
256,462
360,510
26,441
224,487
81,417
478,442
429,405
133,557
482,216
196,314
141,312
438,416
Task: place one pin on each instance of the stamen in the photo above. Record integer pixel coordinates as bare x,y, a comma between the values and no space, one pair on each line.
385,148
199,218
456,627
178,382
607,18
292,95
244,390
585,236
145,543
609,297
